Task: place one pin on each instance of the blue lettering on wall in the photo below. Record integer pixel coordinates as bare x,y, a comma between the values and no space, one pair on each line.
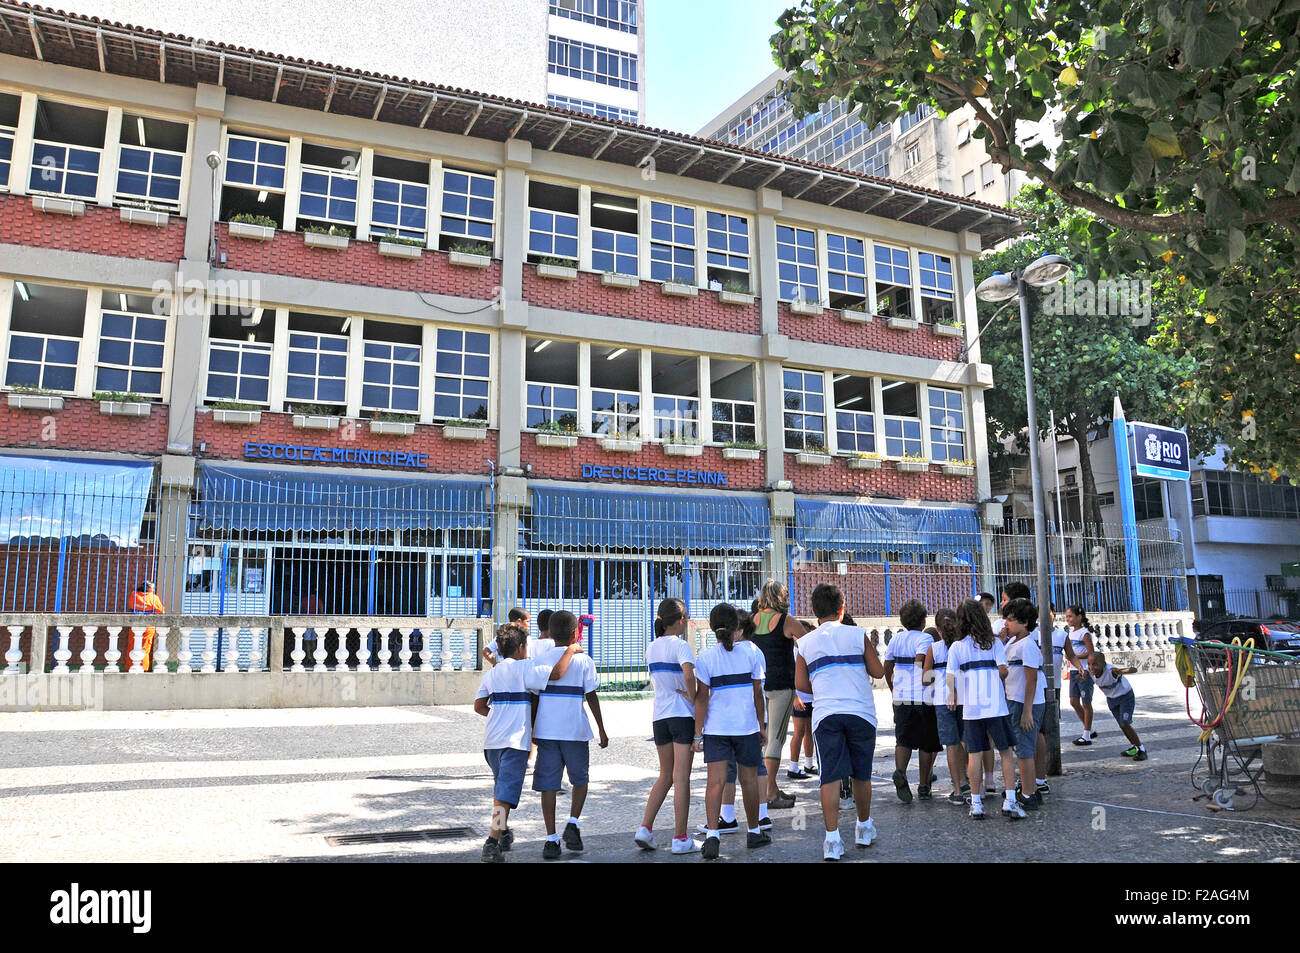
654,475
382,458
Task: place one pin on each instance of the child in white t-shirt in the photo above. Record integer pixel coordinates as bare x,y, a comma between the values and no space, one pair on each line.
1120,699
1026,697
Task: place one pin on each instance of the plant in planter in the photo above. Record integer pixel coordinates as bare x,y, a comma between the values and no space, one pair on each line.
617,279
472,248
913,463
802,305
959,467
677,445
557,433
565,269
681,285
314,416
814,453
865,461
393,423
122,404
393,245
246,218
392,238
28,397
470,254
736,292
235,412
322,236
620,442
259,228
949,325
472,429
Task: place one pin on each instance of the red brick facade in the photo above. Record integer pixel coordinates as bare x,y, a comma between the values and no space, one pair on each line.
359,264
565,463
226,442
100,232
864,586
830,328
887,481
80,425
645,303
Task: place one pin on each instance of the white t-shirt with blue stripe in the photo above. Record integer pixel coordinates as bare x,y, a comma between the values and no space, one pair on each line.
665,656
938,690
508,687
979,683
903,649
1024,654
730,678
838,672
561,714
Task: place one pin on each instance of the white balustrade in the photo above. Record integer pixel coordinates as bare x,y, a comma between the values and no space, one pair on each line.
298,653
445,635
385,653
113,654
255,649
426,651
88,648
319,653
183,654
209,650
64,650
135,650
363,650
14,657
341,652
231,657
404,654
160,654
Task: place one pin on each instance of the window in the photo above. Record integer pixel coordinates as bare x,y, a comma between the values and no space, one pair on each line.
731,391
239,354
615,391
318,359
987,174
611,14
614,233
594,109
672,242
899,404
254,177
1148,501
893,282
846,271
8,129
796,255
675,390
149,163
855,424
45,330
596,64
329,185
968,184
805,410
462,378
551,378
936,288
66,151
909,120
1229,493
947,425
963,133
131,342
391,367
727,258
552,222
912,156
400,203
468,207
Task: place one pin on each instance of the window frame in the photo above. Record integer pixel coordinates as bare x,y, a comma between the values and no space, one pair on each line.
316,377
461,397
241,349
801,411
256,163
45,362
392,363
469,219
132,367
672,244
380,228
941,430
800,283
893,270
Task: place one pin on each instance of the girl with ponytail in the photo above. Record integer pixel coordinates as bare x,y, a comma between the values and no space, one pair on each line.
935,676
1078,649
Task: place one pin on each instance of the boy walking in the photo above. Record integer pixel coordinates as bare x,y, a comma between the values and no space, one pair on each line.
915,725
563,732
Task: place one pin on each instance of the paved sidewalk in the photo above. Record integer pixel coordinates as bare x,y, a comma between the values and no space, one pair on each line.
271,785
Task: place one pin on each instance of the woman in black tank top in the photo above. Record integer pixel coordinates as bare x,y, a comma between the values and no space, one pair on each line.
775,634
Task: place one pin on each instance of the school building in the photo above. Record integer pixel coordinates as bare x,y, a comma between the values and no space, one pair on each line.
289,338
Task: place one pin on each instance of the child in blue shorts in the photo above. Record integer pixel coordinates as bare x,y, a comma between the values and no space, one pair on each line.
1120,699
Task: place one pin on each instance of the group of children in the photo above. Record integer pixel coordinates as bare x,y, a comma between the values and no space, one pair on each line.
964,687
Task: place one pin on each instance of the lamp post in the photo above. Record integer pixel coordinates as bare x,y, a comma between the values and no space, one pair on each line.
213,159
1040,273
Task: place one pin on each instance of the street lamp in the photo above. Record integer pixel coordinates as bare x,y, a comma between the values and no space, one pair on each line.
213,159
1039,273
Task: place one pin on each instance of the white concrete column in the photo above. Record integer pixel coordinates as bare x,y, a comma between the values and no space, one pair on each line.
584,227
106,185
365,192
584,387
89,354
433,217
279,360
6,311
647,397
20,169
356,358
292,183
704,426
428,367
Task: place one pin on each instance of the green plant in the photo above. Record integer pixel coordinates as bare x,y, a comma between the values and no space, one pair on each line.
960,463
868,456
392,238
327,229
559,262
314,410
950,320
680,438
472,422
232,405
31,389
117,396
683,279
396,417
472,248
557,426
915,458
247,218
814,445
739,287
744,445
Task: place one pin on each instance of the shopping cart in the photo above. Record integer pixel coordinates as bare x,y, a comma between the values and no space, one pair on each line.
1248,697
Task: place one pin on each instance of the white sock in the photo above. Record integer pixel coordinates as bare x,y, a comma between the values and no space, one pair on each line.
793,766
755,830
808,762
1011,795
762,810
1039,782
712,834
728,812
976,799
553,837
573,820
833,835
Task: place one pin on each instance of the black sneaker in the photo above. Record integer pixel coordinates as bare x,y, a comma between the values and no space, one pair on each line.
1031,803
901,787
923,792
711,846
965,789
572,839
724,827
492,852
782,801
1141,755
761,839
1044,789
765,823
551,850
1082,740
507,840
799,774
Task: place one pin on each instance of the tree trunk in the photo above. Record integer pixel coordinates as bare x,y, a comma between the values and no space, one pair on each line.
1091,509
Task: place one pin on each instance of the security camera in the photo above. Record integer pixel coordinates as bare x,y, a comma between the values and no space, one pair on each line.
214,159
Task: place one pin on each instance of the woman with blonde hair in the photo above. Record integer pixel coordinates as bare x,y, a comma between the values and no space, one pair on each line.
775,633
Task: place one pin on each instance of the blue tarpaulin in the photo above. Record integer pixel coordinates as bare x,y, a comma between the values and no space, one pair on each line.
74,498
826,524
685,521
245,498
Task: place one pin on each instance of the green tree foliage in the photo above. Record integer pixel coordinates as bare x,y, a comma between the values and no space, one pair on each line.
1180,124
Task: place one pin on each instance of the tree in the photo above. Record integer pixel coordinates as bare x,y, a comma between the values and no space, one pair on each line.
1089,341
1180,126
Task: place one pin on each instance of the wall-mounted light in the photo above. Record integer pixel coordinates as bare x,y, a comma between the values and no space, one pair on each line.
347,323
121,299
851,400
618,353
261,196
22,291
542,346
840,377
139,128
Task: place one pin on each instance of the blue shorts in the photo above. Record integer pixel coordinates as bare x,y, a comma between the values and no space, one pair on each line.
845,744
1081,688
949,724
509,765
673,731
979,734
1122,707
731,770
743,749
1026,741
553,757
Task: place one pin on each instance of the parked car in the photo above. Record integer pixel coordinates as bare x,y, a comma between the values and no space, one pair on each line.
1275,635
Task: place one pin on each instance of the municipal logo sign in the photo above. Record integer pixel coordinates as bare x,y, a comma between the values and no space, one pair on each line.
1160,452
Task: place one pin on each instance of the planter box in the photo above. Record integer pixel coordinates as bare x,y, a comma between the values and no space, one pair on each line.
315,422
740,298
398,250
864,463
855,317
559,272
467,259
812,309
683,449
740,453
913,466
954,469
610,280
465,433
115,408
56,206
256,233
620,445
144,216
810,459
902,324
325,240
237,418
557,439
949,330
42,402
393,428
678,290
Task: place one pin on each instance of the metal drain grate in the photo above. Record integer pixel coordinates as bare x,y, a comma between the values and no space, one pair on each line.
389,837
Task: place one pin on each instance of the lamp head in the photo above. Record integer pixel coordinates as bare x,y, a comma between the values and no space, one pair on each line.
213,159
1047,270
996,287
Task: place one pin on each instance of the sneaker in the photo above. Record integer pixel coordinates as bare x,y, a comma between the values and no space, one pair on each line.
507,840
492,852
551,850
965,788
1130,752
765,823
1031,803
710,849
933,777
798,774
1140,756
956,797
811,769
976,811
761,839
1094,735
1044,789
685,845
572,838
832,848
1012,811
782,801
864,833
990,789
901,787
923,792
645,838
1082,740
724,827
